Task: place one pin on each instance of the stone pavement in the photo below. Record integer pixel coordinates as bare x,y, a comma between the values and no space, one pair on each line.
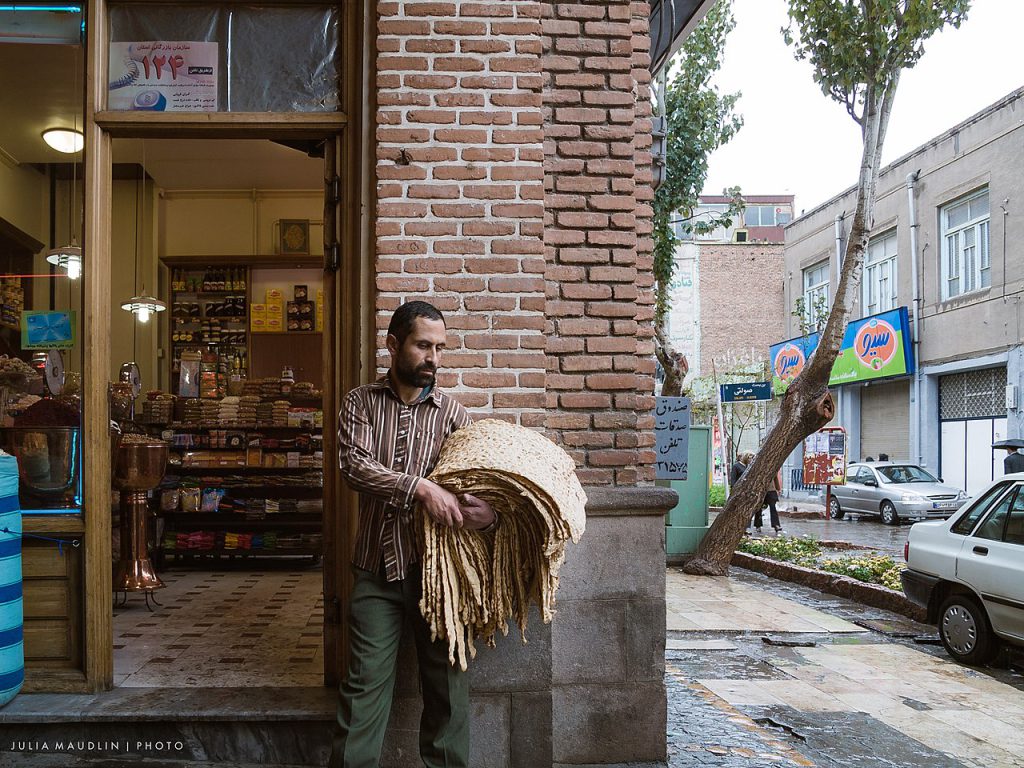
838,685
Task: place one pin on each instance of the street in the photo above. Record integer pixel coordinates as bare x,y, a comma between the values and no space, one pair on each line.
767,673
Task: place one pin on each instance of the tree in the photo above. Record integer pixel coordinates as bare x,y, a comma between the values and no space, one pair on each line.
699,120
857,49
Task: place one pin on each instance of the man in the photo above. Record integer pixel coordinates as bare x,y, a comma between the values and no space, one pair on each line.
1014,461
389,436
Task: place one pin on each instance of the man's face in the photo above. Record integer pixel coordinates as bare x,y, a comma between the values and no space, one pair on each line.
418,359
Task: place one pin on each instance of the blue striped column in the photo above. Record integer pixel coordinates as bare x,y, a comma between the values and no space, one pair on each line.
12,650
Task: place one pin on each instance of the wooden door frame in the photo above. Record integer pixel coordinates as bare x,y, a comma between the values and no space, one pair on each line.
348,358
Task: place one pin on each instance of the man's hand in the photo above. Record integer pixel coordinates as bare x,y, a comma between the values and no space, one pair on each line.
441,505
476,513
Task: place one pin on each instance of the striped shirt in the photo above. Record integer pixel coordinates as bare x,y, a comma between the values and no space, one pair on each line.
384,448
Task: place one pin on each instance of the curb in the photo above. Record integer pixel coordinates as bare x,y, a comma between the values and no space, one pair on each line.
833,584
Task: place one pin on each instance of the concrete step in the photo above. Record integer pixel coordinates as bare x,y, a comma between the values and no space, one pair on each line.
169,728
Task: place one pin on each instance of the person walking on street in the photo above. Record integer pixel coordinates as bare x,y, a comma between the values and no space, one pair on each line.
771,500
390,433
739,467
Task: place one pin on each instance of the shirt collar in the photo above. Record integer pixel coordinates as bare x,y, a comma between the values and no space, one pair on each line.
431,393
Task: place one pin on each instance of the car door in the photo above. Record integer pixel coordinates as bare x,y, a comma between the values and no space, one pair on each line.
871,496
849,493
856,489
992,562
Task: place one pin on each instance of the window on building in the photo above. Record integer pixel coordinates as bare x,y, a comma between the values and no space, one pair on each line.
816,296
965,254
880,274
766,215
704,214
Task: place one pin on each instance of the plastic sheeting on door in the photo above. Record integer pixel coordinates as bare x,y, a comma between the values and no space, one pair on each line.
12,649
276,58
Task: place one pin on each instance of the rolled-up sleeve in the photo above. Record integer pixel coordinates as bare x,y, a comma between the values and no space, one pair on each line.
363,473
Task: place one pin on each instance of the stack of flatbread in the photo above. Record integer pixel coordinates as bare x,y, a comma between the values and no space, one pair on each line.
474,582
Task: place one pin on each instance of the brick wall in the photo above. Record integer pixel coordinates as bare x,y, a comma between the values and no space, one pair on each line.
597,236
741,303
513,170
460,191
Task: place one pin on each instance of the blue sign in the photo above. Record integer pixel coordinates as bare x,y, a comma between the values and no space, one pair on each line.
747,393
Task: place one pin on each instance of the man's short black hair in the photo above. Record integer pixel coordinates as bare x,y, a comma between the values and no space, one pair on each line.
401,322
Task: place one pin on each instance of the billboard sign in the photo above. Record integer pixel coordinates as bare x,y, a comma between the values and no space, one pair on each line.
875,347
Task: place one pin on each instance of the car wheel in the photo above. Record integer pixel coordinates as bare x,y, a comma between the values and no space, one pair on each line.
965,632
889,515
834,510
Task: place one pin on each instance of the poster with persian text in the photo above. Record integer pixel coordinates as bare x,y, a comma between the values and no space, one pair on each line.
163,76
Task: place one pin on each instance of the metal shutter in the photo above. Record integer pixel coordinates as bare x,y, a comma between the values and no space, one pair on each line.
885,420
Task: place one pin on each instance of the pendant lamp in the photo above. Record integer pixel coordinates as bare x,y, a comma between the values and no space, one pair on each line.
142,305
68,257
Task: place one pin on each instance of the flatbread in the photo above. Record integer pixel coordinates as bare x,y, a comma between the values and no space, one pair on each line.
474,582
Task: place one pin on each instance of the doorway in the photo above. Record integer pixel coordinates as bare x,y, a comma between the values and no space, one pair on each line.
228,235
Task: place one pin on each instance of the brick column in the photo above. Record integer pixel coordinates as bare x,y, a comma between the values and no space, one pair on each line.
597,236
460,191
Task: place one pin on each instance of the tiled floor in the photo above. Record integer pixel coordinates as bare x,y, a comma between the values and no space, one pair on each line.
237,628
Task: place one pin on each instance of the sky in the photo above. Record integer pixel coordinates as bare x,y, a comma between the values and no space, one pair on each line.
797,141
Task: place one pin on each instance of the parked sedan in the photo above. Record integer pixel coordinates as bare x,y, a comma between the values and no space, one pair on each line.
968,572
893,491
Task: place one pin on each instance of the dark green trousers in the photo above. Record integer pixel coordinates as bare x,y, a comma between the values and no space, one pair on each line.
379,612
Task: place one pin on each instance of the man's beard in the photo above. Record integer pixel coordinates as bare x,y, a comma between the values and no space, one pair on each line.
420,376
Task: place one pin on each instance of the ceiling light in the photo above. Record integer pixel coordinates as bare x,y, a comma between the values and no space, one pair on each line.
69,258
143,306
64,140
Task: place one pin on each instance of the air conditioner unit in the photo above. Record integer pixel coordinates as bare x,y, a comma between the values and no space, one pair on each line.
739,236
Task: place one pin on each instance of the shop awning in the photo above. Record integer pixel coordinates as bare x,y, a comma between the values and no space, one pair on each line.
671,22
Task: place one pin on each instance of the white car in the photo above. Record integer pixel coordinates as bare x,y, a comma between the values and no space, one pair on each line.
968,572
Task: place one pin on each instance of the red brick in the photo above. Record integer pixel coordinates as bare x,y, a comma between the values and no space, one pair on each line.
402,246
431,228
458,284
403,27
434,191
488,82
430,82
458,64
484,46
458,210
611,457
403,135
517,359
433,265
487,303
492,266
515,284
459,100
584,327
460,245
428,9
443,116
526,400
487,380
401,63
591,400
402,284
491,341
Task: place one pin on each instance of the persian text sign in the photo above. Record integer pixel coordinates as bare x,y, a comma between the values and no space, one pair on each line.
163,76
746,393
875,347
671,437
47,330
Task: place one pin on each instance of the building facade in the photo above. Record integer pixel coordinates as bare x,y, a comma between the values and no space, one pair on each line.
727,302
945,243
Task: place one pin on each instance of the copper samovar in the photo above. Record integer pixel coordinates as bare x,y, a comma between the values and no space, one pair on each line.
138,467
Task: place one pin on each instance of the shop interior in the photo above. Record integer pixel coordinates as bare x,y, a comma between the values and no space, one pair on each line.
216,380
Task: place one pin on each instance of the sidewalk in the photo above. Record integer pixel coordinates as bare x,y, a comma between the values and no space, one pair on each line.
852,694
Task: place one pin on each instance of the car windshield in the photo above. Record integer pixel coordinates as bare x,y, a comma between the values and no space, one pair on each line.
906,473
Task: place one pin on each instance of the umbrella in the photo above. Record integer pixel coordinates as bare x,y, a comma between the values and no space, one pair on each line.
1013,442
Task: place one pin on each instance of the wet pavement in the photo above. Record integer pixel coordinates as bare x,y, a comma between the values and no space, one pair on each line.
765,673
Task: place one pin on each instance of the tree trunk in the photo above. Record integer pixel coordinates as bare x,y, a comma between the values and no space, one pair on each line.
675,363
807,405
